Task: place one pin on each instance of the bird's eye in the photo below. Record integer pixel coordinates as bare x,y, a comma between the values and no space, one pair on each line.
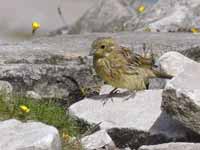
102,46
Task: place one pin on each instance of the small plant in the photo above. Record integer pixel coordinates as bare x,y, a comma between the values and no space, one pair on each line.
48,112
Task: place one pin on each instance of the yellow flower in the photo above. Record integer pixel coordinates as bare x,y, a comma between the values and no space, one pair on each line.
141,9
35,26
66,136
195,30
24,108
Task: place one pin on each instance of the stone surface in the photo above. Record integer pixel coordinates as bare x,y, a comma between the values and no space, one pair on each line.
32,94
56,50
103,16
174,63
181,98
173,15
162,16
5,87
98,140
131,122
28,136
49,81
157,83
168,16
59,66
172,146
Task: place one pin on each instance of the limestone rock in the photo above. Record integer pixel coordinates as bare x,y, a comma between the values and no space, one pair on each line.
172,146
49,81
157,83
174,63
181,98
57,66
5,87
32,94
173,16
104,16
131,122
97,140
28,136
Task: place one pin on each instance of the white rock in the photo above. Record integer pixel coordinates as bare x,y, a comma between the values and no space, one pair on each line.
181,97
136,117
33,95
174,63
172,146
173,15
104,16
121,113
173,20
97,140
16,135
6,87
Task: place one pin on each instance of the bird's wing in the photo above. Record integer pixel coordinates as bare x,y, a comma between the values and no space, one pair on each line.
137,60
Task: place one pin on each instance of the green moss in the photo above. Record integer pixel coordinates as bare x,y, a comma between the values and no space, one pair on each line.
44,111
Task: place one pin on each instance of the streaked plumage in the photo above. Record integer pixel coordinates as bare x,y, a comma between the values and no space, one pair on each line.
121,68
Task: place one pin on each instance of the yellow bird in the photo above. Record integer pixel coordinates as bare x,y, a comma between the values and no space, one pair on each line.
121,68
35,26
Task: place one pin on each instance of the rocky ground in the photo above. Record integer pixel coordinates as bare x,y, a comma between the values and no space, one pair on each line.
59,67
162,16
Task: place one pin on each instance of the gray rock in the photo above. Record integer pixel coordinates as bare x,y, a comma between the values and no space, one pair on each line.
46,65
49,81
157,83
32,94
172,146
66,49
172,16
6,87
104,16
133,122
6,90
163,16
98,140
28,136
181,98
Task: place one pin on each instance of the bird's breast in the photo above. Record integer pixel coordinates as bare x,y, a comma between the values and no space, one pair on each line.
104,69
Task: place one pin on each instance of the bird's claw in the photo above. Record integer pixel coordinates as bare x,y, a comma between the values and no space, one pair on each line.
110,96
132,95
105,99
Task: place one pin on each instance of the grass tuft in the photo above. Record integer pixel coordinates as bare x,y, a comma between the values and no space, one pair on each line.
48,112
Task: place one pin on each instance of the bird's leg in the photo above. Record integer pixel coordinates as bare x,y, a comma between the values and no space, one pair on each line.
147,86
144,50
110,95
132,95
114,91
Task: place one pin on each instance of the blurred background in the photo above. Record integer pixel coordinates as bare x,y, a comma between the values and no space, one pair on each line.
16,16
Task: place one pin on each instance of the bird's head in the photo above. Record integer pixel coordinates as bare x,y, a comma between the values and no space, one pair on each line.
103,46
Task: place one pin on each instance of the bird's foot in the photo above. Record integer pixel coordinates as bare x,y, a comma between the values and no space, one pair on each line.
110,96
132,95
113,92
105,100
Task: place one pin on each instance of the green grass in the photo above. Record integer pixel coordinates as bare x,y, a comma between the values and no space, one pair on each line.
47,112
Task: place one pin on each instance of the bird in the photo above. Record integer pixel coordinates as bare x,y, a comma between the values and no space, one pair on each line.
122,68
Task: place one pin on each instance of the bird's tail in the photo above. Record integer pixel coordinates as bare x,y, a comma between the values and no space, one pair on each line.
161,74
